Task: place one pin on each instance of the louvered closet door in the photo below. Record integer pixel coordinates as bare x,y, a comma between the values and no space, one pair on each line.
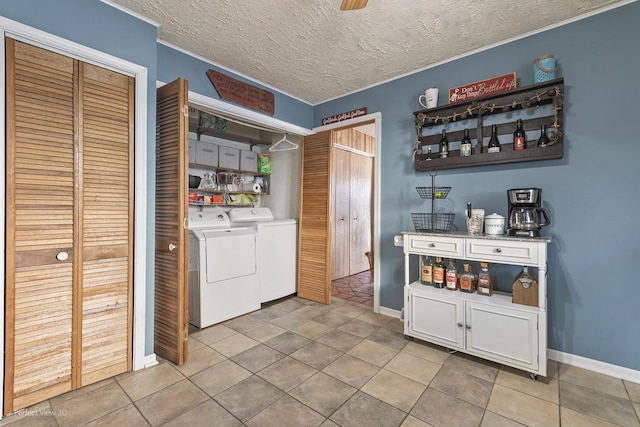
68,230
40,220
171,314
107,111
314,248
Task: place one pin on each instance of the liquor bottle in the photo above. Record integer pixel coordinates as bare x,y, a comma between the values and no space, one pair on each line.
485,286
519,137
494,144
468,280
444,145
465,144
428,153
452,275
438,273
544,139
426,271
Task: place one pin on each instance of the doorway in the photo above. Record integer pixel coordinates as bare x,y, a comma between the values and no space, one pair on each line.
352,213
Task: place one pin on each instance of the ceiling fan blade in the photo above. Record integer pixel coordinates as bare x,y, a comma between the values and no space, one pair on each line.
353,4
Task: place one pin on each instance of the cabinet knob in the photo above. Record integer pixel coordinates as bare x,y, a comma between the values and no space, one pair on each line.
467,326
172,247
62,256
459,325
498,250
432,245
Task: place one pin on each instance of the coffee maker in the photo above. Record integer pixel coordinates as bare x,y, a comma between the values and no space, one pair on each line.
526,212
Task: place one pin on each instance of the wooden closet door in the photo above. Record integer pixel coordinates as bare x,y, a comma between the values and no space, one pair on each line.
171,316
341,236
314,247
106,207
40,224
361,190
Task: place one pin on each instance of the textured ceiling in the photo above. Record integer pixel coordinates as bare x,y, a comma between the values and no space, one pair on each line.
313,51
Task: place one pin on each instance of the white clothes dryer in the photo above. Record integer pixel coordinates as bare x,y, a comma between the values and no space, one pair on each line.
277,250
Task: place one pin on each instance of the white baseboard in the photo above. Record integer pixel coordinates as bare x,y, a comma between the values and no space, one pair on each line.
390,312
595,365
150,360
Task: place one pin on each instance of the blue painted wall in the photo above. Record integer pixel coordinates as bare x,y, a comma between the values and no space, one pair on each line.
173,63
592,193
593,298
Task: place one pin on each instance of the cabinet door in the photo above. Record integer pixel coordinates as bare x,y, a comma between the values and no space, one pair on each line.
341,173
502,334
436,319
361,190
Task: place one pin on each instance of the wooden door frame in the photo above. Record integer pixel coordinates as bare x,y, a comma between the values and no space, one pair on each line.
375,243
35,37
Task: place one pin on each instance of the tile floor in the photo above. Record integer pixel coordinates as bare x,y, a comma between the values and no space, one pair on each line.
297,363
357,288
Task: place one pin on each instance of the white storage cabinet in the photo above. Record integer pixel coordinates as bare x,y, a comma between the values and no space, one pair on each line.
491,327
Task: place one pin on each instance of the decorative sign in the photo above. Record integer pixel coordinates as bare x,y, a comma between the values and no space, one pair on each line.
483,88
345,116
242,93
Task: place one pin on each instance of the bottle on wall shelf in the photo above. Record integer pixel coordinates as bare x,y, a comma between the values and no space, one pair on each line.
494,144
426,271
451,276
444,145
465,144
428,153
544,139
519,137
485,285
438,273
468,279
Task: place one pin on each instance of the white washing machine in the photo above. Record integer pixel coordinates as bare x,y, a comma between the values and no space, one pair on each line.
223,273
277,250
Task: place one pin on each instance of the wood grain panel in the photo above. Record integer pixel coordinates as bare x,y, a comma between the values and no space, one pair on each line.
171,313
107,116
341,171
314,253
360,207
39,289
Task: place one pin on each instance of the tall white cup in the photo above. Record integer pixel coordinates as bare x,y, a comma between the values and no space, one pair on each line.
430,98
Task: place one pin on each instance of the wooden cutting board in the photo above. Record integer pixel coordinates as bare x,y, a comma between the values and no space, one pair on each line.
525,290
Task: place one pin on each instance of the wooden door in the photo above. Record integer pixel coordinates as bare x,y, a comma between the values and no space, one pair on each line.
361,190
106,108
340,240
69,224
314,245
171,321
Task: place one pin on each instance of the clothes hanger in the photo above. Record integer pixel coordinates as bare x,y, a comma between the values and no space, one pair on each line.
291,146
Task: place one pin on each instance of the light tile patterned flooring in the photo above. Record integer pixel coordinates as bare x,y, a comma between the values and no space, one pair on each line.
297,363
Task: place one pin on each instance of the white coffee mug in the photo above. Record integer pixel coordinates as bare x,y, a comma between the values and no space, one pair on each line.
430,98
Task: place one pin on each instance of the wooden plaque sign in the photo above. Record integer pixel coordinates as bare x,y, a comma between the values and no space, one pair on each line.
482,88
345,116
242,93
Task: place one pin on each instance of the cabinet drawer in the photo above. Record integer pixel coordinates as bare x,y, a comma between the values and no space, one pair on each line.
445,247
502,251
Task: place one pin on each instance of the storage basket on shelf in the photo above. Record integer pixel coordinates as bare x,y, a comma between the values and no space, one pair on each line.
544,69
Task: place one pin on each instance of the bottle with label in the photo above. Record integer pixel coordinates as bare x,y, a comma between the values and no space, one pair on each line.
519,137
451,276
544,139
444,145
438,273
468,280
465,144
494,144
485,285
426,271
428,153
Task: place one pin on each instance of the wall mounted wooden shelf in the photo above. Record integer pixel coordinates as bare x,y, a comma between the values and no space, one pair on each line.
547,93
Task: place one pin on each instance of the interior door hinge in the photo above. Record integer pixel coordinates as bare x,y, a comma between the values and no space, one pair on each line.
185,335
184,223
185,110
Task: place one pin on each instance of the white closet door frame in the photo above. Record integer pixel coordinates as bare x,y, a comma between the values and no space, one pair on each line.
24,33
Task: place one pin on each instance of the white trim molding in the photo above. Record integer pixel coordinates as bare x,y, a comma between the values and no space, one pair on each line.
24,33
377,191
595,365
